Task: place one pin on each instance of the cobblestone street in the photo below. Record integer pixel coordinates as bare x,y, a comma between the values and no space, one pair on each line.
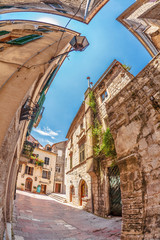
41,217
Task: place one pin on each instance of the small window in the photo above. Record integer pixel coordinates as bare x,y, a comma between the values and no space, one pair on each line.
104,95
58,169
46,160
82,152
55,5
29,170
20,168
81,126
46,174
49,149
71,161
60,153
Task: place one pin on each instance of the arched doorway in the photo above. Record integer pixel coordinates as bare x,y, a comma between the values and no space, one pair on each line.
72,192
28,185
83,191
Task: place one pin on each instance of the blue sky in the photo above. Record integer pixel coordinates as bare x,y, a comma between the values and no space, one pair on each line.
108,40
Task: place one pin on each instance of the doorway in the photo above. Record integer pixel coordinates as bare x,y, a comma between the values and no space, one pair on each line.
43,189
83,191
115,191
58,188
28,185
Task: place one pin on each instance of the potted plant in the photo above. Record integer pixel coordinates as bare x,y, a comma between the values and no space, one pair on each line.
34,189
22,186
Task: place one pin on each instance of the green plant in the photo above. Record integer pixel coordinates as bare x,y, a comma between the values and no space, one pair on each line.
127,67
22,184
92,102
34,187
108,144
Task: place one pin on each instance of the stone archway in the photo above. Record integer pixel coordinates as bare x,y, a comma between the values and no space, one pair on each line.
28,184
83,191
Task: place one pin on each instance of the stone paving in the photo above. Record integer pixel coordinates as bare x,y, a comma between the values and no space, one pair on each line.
40,217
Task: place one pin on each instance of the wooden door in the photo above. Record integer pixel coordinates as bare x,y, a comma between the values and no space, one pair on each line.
43,189
28,185
58,188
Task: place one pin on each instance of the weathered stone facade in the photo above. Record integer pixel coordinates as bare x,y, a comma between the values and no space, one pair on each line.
83,11
24,76
112,81
142,19
59,149
135,124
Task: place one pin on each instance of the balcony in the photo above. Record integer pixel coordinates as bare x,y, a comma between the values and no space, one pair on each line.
27,150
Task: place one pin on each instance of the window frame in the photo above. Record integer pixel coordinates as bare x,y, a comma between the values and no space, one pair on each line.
82,152
46,160
104,95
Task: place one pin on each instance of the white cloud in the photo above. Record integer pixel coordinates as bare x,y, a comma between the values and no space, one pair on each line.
49,142
46,132
48,20
44,141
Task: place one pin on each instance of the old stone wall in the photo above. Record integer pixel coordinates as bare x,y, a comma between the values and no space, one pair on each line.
73,178
135,124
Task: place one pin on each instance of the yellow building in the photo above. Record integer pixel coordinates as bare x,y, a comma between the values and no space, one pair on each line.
37,173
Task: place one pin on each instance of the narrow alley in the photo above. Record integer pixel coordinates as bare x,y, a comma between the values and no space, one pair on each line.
41,217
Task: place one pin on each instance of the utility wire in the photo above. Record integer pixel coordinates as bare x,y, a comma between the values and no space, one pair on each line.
67,25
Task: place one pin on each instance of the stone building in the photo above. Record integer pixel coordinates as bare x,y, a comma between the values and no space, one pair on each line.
36,173
143,20
59,177
89,180
134,119
27,49
80,10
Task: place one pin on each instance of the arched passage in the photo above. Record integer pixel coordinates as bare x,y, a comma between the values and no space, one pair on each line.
83,191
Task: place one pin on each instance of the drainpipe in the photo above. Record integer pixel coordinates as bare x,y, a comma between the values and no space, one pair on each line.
92,197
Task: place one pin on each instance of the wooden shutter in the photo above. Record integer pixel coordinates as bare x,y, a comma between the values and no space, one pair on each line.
26,170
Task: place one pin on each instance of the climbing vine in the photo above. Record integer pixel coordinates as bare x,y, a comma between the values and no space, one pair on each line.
103,142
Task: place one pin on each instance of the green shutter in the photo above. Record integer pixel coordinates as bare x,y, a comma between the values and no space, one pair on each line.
3,32
50,79
24,39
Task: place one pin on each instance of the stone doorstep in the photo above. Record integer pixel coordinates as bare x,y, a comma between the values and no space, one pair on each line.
16,237
8,232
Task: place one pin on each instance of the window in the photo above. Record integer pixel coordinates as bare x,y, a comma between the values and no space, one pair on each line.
59,153
29,170
58,169
82,152
104,95
71,160
20,168
24,39
46,174
81,126
46,160
55,5
49,149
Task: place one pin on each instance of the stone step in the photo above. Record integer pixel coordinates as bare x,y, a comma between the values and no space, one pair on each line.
58,197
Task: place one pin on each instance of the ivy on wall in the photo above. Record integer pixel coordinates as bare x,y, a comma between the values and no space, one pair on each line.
103,142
